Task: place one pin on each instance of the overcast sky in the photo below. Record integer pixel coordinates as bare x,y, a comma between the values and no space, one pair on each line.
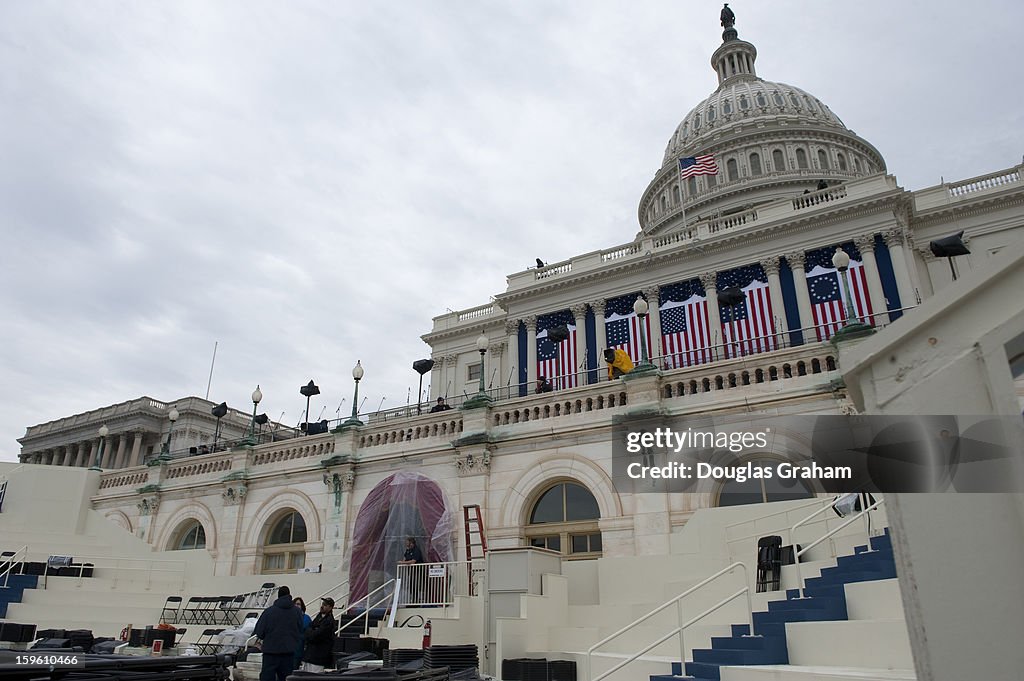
308,184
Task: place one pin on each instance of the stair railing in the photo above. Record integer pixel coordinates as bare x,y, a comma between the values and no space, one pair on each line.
827,535
786,512
13,561
365,615
334,588
678,601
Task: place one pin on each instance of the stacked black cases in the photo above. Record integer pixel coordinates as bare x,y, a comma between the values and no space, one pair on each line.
17,633
454,657
399,656
562,670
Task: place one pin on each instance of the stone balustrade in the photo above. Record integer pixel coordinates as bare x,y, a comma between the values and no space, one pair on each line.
119,479
316,447
557,404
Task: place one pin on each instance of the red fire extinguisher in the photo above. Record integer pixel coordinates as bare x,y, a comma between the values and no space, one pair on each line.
426,635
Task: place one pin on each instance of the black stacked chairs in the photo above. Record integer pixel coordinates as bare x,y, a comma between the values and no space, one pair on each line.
769,563
190,612
207,643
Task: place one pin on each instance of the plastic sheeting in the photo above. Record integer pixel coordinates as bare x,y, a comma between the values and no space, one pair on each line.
407,504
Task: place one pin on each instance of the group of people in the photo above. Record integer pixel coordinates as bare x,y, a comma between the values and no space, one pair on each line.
291,639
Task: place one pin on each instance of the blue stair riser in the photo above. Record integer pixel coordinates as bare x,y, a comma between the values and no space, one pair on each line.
873,557
704,670
866,565
841,579
741,630
741,657
807,604
784,616
747,642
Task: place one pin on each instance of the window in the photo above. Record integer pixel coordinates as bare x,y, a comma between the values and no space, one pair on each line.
744,103
779,101
285,550
711,113
755,164
727,106
761,101
794,100
732,169
664,203
778,160
822,159
565,519
842,161
473,372
712,181
675,193
696,121
801,159
191,536
691,186
856,164
760,490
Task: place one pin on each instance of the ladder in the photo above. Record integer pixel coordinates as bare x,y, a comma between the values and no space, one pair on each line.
474,532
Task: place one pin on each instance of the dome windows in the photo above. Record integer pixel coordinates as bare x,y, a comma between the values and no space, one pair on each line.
842,162
801,159
823,160
732,170
760,100
856,164
794,100
675,193
711,113
727,106
744,103
696,121
755,164
778,160
779,101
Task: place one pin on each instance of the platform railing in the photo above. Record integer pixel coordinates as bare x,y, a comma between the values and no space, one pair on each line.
387,589
14,562
435,584
678,602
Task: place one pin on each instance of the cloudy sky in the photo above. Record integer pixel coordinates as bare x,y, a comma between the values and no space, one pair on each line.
308,184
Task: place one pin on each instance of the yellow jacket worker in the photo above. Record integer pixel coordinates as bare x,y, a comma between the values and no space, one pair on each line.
618,363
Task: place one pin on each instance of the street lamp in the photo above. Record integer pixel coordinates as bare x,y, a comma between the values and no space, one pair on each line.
353,421
852,327
641,308
165,452
308,391
257,396
102,432
481,399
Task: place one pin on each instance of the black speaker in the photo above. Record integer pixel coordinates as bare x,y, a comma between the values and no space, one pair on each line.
730,296
950,246
558,333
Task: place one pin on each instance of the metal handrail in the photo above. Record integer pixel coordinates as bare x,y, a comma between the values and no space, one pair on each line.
854,518
678,600
365,615
149,568
332,589
12,563
771,515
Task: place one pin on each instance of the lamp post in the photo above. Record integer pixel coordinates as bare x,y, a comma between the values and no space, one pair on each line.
852,327
308,391
102,432
481,399
641,308
165,451
353,420
257,397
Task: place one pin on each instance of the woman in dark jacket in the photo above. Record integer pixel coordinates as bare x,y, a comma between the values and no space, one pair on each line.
320,639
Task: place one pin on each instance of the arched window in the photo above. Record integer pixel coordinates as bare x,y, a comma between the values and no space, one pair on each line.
842,161
761,490
565,519
691,186
664,203
732,169
711,113
675,193
794,100
727,106
761,101
801,159
856,164
755,164
190,536
779,101
696,121
284,549
712,181
744,103
822,159
778,160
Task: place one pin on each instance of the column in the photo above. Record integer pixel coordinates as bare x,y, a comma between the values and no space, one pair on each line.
803,297
652,295
510,372
436,379
894,241
119,458
601,340
137,448
866,245
710,282
579,313
75,454
771,268
451,376
531,352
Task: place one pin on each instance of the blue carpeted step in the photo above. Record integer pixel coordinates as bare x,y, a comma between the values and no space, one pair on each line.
740,629
873,558
746,642
807,604
730,657
703,670
826,591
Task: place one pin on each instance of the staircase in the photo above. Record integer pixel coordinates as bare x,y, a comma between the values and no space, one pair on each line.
15,590
812,637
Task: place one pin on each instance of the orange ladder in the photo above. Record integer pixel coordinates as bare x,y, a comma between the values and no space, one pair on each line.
474,529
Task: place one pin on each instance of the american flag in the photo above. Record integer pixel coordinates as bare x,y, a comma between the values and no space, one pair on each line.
828,306
697,165
685,336
622,327
557,361
747,328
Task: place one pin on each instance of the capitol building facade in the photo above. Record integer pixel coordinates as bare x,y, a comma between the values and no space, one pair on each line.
742,301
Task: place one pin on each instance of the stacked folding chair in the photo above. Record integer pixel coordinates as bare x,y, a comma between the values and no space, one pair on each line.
169,614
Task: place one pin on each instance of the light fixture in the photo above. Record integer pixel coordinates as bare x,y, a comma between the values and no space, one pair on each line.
353,420
481,399
97,464
641,308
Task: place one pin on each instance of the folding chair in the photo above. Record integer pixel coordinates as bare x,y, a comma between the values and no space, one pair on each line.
209,610
264,594
769,563
169,614
230,608
207,644
190,613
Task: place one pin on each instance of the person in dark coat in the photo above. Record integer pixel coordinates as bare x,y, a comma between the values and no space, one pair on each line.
280,630
320,639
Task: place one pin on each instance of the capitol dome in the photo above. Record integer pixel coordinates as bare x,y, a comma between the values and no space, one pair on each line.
769,140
